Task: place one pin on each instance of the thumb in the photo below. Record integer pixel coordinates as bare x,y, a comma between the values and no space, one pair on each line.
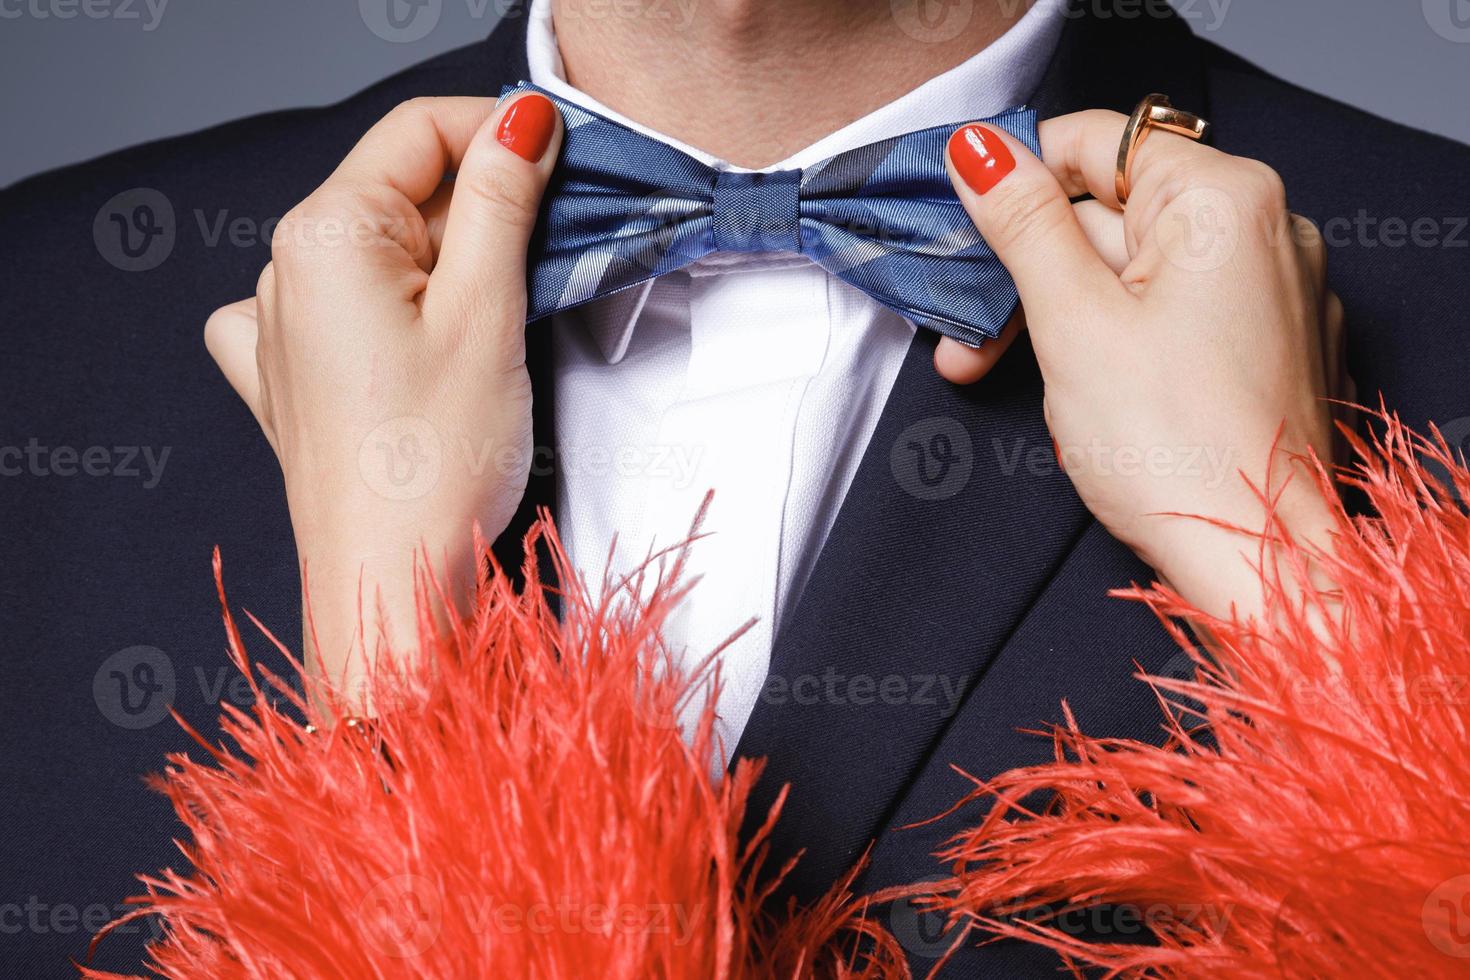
481,269
1025,217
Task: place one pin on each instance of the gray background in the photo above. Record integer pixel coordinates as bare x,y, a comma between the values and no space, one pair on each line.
81,77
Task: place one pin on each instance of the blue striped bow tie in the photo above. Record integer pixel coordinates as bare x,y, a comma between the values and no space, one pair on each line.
623,208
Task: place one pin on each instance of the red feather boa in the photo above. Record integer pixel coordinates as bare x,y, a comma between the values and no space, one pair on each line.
1310,814
537,812
527,807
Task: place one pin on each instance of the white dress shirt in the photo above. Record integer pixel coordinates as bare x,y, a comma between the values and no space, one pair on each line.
760,377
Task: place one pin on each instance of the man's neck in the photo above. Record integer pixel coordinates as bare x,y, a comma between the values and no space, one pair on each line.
753,81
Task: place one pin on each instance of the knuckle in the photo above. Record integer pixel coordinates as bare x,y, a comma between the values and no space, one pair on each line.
1027,211
1263,186
410,112
1308,236
1311,246
1102,120
217,328
286,234
1335,314
502,196
265,284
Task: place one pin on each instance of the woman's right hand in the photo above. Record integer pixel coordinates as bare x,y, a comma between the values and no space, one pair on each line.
1186,342
384,357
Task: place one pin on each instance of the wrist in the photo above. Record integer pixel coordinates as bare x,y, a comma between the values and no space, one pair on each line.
1226,564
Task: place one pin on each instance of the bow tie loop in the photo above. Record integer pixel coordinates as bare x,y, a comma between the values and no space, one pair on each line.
757,212
623,208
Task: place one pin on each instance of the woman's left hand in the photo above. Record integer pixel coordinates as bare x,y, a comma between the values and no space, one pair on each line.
1188,343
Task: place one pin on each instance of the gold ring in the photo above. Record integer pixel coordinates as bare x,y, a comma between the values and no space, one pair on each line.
1153,111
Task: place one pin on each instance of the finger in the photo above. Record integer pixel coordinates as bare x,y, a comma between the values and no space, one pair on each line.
1104,229
481,270
1340,386
368,207
1311,249
1082,151
230,335
1334,345
436,214
963,365
1026,218
412,148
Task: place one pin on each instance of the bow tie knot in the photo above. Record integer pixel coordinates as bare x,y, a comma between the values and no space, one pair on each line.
757,212
623,208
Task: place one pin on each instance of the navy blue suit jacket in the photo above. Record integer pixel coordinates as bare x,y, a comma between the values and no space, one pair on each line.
942,616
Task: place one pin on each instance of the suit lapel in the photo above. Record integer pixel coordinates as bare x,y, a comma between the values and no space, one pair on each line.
955,521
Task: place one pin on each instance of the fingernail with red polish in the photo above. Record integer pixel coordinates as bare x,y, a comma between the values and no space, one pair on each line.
980,156
527,127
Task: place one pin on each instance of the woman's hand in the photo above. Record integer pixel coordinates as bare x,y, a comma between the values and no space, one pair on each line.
384,358
1177,338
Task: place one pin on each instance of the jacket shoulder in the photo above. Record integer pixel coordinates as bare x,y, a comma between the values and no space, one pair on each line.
1392,206
280,149
1242,92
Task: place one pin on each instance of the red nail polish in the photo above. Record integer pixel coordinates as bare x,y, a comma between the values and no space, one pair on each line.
980,156
1056,448
527,127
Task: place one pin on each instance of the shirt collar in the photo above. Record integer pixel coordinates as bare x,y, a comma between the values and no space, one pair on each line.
1003,75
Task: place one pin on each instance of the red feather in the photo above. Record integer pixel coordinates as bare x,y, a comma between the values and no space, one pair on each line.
1310,815
531,810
